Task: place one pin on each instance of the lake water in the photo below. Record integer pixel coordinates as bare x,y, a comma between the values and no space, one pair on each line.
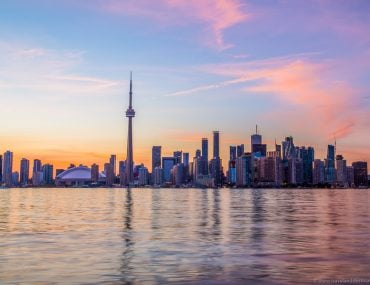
184,236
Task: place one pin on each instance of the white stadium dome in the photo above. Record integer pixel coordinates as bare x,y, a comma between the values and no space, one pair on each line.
80,175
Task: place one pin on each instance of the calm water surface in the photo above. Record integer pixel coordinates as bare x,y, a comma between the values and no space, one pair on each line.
183,236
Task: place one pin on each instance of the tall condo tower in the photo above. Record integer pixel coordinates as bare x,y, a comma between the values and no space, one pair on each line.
130,113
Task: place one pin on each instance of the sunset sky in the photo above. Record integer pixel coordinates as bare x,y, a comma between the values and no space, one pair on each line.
299,68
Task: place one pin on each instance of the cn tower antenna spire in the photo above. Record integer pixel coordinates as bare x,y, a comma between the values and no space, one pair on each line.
130,113
130,105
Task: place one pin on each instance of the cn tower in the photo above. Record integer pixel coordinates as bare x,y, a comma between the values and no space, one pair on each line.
130,113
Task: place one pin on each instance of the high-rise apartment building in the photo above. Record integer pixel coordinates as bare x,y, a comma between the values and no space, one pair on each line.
95,173
24,171
8,168
168,163
156,156
47,174
112,160
360,173
205,149
216,144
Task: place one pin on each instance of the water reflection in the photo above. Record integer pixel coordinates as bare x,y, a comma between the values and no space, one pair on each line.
192,236
128,241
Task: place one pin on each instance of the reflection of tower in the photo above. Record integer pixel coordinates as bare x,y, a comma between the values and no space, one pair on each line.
130,113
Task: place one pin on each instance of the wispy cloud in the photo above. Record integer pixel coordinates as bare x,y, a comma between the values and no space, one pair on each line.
215,16
36,69
309,87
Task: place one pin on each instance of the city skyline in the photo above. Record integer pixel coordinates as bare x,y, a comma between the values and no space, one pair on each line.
199,67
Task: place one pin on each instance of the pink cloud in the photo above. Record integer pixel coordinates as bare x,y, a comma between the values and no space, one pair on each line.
214,15
312,97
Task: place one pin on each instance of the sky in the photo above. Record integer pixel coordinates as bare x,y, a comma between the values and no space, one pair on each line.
295,68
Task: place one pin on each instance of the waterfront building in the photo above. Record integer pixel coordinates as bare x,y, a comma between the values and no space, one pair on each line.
130,114
307,156
122,173
112,161
24,171
168,163
37,175
158,176
185,160
77,176
179,174
8,168
360,173
350,176
109,174
143,177
231,172
215,169
299,171
95,173
330,165
156,156
341,172
47,174
318,172
295,171
15,178
243,170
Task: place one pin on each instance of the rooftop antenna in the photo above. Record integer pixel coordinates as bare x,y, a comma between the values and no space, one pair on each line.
256,130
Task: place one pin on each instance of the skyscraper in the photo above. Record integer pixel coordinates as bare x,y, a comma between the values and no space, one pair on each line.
307,156
36,172
318,172
341,171
178,156
205,149
232,153
130,113
185,159
25,170
216,144
360,173
330,165
156,157
215,164
243,170
240,150
255,139
109,174
112,161
94,172
8,168
47,174
288,148
167,163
